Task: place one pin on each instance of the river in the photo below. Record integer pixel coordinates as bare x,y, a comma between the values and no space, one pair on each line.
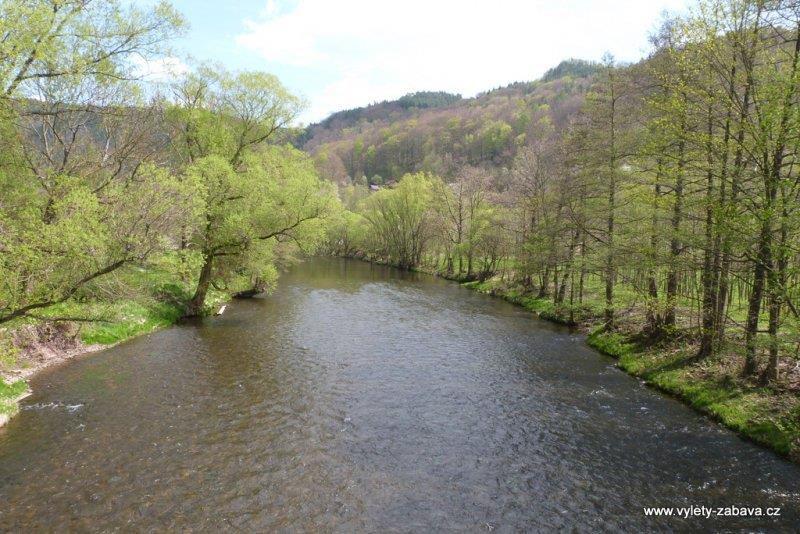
361,398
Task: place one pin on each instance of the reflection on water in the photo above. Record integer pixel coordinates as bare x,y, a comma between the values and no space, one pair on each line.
361,398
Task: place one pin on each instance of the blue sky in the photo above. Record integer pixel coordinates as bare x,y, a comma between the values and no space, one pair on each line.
340,54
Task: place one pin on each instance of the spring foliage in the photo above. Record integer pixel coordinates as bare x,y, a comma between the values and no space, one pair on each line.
96,177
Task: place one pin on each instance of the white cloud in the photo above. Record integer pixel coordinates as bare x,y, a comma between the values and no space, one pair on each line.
366,51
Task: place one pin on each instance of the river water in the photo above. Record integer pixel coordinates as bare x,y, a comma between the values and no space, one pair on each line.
361,398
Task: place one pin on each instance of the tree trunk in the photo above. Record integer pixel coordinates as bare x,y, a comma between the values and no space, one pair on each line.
710,278
776,299
763,261
610,272
675,244
652,318
196,305
544,284
777,265
727,242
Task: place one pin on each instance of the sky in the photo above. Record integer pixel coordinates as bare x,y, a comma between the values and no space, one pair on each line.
341,54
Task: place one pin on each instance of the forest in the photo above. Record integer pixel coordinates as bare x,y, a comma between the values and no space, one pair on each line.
654,205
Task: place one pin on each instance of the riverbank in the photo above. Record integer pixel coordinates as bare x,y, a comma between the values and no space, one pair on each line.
713,386
40,345
109,315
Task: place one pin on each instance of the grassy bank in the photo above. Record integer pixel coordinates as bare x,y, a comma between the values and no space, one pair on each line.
769,416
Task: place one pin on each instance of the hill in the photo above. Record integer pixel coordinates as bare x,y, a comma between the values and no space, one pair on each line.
441,132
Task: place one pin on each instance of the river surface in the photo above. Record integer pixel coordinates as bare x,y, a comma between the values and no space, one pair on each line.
360,398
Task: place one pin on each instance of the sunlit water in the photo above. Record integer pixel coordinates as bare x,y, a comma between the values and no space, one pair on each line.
360,398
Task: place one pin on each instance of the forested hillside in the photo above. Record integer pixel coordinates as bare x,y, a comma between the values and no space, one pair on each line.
442,133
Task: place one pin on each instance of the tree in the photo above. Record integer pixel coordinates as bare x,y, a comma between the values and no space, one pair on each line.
222,125
607,146
50,247
464,213
48,39
401,218
81,194
274,197
228,114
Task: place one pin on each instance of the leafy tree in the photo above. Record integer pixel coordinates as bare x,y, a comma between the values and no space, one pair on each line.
50,247
606,147
253,194
274,197
74,39
81,193
465,216
228,114
401,219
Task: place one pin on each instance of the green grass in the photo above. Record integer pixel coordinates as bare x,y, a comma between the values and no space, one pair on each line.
132,302
543,307
132,319
613,344
9,394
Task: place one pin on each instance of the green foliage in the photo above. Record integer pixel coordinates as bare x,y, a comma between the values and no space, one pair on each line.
400,219
51,245
348,234
428,99
257,201
275,199
224,114
492,139
48,39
